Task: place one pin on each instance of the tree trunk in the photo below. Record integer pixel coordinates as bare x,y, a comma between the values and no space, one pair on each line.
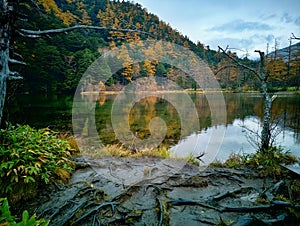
265,136
266,133
3,79
4,53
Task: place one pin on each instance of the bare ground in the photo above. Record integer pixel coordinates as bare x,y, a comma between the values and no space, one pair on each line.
153,191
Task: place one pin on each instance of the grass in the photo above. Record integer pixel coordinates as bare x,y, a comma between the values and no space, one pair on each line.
118,150
267,162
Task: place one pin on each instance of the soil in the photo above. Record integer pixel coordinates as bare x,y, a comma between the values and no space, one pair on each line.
153,191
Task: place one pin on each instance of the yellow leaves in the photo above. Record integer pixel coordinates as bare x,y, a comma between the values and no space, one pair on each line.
276,69
38,164
85,19
149,67
50,5
21,168
43,159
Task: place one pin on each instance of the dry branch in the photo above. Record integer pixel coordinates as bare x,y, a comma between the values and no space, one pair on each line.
241,65
38,34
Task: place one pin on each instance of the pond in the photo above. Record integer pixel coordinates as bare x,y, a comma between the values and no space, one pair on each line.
182,133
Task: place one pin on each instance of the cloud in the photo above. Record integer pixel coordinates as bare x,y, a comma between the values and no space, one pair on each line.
241,25
267,17
286,18
297,21
244,45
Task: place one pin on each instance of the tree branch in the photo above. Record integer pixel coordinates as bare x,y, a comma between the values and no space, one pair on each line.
294,37
13,61
13,75
37,34
225,67
241,65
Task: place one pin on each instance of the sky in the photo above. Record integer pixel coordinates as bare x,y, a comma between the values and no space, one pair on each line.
243,25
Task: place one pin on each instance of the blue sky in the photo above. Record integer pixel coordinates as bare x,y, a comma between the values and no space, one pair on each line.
241,24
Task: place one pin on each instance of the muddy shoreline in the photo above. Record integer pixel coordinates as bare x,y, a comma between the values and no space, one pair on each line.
153,191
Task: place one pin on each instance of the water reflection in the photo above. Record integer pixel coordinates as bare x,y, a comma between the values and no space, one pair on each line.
242,109
55,112
246,110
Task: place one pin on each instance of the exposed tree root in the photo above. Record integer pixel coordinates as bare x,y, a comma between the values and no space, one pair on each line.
231,193
97,208
163,200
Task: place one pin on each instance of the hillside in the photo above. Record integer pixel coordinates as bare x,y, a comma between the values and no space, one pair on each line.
286,52
55,64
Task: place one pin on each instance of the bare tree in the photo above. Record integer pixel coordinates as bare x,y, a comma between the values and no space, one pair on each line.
265,137
8,18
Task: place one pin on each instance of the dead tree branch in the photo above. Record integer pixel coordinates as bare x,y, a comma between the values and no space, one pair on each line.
38,34
241,65
294,37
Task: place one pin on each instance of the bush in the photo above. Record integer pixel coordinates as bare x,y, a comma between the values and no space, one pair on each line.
7,219
31,157
269,161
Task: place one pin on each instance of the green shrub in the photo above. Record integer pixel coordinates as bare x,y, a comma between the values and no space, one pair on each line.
30,157
7,219
269,161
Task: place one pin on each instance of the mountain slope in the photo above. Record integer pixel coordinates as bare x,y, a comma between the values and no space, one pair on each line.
56,63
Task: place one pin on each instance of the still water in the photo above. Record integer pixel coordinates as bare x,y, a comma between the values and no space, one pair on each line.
243,114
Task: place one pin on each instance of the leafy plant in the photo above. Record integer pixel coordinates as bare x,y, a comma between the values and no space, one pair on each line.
7,219
30,157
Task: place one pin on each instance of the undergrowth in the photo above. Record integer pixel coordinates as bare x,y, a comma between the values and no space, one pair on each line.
267,162
31,157
6,218
118,150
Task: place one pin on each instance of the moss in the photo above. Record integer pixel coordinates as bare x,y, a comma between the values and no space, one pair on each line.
192,160
166,220
295,190
62,175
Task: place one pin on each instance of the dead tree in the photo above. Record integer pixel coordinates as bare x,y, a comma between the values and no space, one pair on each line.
8,18
263,78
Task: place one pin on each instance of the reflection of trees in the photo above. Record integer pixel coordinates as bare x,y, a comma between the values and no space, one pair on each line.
285,110
149,108
239,106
